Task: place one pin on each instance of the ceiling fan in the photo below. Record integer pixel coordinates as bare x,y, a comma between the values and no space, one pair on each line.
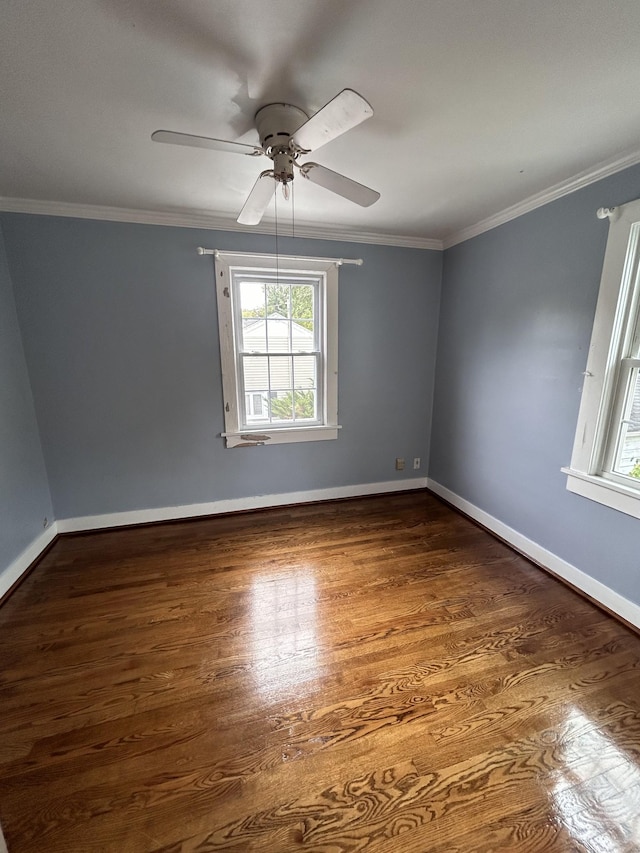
286,133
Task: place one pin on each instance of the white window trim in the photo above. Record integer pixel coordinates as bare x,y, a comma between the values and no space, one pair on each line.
585,475
225,262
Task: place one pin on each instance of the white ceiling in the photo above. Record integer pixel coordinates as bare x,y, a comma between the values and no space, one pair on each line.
479,104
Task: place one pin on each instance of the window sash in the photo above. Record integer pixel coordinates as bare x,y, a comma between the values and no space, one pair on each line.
269,420
289,280
263,277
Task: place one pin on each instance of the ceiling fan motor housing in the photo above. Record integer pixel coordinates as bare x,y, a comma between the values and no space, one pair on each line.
276,124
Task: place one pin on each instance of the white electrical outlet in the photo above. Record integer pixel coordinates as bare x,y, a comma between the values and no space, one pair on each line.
416,463
399,464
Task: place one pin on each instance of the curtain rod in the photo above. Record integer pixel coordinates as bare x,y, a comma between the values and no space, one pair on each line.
337,261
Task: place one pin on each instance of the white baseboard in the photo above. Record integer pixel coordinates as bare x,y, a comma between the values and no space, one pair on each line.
604,595
20,565
172,513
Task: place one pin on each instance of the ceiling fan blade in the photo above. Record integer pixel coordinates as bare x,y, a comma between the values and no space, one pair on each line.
174,138
337,183
259,198
343,112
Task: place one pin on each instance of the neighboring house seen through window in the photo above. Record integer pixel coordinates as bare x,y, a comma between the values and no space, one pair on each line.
605,465
278,345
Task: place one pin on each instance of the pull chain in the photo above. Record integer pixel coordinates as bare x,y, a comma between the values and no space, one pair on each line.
277,252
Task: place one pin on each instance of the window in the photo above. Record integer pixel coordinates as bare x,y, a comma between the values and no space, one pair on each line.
605,465
279,346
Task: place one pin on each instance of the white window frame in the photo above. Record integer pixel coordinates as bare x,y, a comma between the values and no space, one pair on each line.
227,264
616,317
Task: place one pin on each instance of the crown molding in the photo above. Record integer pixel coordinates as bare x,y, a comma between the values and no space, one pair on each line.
583,179
191,218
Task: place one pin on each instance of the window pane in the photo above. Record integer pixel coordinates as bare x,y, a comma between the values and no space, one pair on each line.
255,371
304,369
628,449
302,338
252,305
302,306
252,298
254,335
305,405
278,330
253,308
278,300
281,404
256,407
280,373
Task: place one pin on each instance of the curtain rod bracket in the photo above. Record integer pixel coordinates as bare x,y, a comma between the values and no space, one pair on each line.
610,213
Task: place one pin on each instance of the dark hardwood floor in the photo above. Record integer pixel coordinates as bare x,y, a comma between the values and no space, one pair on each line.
373,675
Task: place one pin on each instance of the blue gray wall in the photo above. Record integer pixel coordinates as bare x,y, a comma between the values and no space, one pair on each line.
119,330
24,493
120,333
516,314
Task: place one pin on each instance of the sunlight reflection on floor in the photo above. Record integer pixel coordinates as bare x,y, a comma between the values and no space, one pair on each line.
284,631
593,790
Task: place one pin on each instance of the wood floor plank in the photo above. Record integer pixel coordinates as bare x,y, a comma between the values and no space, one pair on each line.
376,674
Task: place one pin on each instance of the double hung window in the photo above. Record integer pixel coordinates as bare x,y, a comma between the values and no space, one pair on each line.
278,343
605,465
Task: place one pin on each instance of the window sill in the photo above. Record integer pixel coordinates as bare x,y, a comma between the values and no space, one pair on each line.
286,435
614,495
